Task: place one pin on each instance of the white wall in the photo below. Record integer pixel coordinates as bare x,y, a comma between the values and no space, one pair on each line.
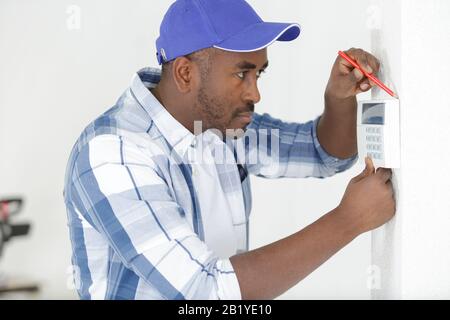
54,80
411,254
385,24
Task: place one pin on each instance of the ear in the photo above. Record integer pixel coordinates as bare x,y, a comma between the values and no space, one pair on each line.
183,71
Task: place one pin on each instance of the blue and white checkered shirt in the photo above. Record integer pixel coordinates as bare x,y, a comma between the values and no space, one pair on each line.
152,214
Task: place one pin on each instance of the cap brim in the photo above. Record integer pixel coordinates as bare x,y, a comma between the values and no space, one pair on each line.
260,36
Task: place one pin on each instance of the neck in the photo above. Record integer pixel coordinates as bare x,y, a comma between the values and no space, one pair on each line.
179,107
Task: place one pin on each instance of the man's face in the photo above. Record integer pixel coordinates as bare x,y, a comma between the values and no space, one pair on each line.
228,91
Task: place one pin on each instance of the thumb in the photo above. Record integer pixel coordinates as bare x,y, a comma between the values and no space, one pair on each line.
368,170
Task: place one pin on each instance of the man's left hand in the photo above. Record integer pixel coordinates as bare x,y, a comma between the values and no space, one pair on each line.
346,81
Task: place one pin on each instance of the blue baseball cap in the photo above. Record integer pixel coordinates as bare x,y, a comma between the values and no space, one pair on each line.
230,25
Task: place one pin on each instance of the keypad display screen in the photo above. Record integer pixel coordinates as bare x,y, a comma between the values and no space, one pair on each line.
373,113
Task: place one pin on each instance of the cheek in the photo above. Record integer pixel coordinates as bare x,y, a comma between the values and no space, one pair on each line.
228,105
233,102
226,101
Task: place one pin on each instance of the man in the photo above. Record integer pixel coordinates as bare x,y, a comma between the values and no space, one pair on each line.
155,213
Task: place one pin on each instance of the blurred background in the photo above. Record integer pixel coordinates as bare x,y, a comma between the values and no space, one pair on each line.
62,63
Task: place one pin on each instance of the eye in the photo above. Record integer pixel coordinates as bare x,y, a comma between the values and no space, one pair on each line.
241,75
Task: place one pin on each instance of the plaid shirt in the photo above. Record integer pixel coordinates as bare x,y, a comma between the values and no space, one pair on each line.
153,214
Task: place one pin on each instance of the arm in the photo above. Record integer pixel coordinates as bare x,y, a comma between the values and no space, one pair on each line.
338,140
277,149
117,188
269,271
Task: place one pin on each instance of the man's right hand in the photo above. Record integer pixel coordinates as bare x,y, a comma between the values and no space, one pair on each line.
368,202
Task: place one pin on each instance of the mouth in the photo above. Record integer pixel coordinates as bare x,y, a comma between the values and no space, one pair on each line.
246,116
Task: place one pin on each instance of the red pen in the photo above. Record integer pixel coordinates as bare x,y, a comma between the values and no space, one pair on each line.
371,77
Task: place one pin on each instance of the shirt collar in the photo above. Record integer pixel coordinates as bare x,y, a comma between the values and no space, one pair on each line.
173,131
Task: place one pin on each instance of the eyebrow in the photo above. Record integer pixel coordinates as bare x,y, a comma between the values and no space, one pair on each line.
249,65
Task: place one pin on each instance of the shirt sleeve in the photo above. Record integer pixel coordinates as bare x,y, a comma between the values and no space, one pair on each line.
276,149
118,188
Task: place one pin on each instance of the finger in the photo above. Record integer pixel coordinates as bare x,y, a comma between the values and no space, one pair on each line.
368,170
357,75
369,165
384,174
372,84
345,66
365,85
374,63
361,58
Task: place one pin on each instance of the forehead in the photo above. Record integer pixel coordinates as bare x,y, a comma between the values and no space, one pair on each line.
231,59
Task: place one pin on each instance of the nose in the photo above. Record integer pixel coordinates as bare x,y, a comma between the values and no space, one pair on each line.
252,95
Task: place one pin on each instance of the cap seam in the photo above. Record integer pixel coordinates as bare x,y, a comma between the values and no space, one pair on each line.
211,26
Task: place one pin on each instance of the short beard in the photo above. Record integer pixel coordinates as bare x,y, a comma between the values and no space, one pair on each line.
212,110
